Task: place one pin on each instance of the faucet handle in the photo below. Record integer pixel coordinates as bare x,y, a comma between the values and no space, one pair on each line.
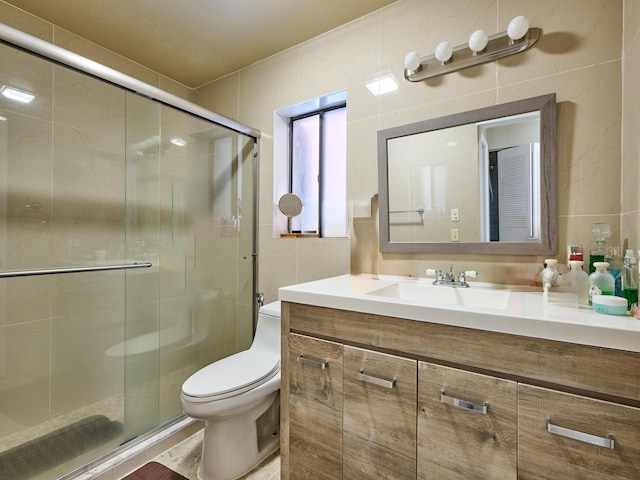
471,274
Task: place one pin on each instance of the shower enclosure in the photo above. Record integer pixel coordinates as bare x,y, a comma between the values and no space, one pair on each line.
127,254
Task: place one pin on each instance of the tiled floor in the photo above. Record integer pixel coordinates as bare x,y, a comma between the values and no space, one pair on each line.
185,457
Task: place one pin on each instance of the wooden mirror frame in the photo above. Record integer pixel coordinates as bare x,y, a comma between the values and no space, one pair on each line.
547,244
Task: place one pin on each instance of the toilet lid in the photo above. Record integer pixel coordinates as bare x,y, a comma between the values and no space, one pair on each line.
232,375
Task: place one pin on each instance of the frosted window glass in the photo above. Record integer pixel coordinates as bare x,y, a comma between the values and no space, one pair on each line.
305,171
334,173
319,173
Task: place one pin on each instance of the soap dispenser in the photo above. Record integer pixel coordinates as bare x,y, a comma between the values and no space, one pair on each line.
550,274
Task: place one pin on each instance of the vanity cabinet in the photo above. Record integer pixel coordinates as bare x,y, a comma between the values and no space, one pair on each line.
315,408
467,425
351,411
379,430
451,403
561,435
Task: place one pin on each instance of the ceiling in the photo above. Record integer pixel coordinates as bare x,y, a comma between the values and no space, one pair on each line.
197,41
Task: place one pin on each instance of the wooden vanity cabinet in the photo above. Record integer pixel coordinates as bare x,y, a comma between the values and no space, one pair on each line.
571,437
467,425
314,408
379,431
336,426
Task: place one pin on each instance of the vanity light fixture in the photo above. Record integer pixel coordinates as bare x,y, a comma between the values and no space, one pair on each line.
481,48
179,142
382,83
16,94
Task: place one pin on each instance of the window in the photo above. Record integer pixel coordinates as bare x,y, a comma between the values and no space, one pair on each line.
314,166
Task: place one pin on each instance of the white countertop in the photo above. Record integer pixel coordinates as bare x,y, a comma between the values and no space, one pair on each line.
526,313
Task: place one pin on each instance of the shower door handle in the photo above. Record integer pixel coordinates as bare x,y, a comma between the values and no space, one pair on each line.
55,271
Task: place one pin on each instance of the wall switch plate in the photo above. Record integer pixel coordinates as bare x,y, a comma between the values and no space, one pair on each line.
455,236
455,215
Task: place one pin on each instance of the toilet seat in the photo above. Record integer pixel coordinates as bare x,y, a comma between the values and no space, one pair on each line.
231,376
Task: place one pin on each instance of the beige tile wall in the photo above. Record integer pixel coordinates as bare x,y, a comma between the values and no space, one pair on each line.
580,57
631,126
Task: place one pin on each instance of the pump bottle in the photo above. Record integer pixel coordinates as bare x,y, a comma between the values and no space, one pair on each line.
601,282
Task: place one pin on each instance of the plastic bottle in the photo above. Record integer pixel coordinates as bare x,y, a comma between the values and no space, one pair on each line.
601,282
616,264
578,280
601,231
630,279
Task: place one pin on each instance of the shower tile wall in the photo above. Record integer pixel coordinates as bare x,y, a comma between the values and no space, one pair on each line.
62,204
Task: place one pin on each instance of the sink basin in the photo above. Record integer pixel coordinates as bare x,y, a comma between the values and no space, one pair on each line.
427,294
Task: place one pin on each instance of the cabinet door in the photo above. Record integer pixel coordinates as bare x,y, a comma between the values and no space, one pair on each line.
466,425
379,416
570,437
315,408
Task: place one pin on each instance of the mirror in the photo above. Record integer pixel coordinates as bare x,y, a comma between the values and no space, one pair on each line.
482,181
290,205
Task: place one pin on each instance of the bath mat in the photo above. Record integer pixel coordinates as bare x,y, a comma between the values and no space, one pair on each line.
43,453
154,471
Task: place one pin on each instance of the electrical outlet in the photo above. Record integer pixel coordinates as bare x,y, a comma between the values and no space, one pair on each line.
455,215
455,236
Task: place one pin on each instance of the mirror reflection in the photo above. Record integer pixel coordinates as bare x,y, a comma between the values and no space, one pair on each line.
476,182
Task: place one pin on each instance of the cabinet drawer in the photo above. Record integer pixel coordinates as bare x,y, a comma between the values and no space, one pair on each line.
315,408
593,439
466,425
379,415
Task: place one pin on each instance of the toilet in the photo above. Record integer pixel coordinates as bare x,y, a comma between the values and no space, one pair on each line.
238,398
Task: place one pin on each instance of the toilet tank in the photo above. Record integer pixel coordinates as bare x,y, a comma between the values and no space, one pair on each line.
268,328
272,309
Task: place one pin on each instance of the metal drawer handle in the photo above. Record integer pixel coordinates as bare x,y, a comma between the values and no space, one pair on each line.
381,382
312,361
456,402
607,442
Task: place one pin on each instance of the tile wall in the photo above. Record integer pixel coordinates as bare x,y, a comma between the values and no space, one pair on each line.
631,126
578,58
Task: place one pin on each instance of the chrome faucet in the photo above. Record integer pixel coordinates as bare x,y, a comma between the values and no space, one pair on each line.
449,278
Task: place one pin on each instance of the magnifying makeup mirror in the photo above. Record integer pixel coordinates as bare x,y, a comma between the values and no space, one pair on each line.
290,205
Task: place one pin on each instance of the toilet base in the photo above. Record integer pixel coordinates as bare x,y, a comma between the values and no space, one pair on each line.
268,453
234,445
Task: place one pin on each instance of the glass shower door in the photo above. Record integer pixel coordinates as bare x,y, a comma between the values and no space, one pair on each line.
62,197
190,212
94,176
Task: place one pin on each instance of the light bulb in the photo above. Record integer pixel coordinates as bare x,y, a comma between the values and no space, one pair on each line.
518,28
444,52
478,40
412,61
